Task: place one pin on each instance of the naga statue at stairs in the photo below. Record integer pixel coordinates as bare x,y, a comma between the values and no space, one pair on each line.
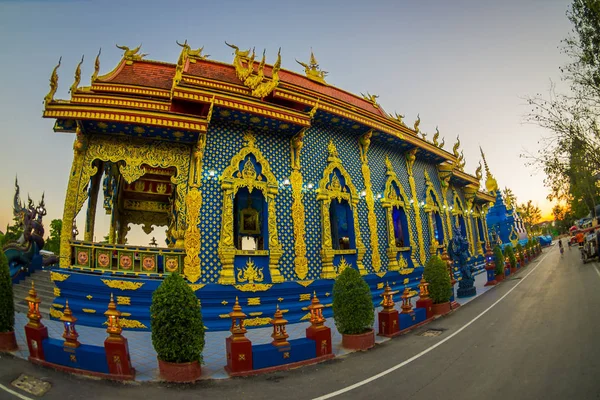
24,254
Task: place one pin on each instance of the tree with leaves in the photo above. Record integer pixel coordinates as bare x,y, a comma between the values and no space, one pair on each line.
570,154
53,242
530,214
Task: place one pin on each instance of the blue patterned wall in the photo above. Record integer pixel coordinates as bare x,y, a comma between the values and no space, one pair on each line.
224,140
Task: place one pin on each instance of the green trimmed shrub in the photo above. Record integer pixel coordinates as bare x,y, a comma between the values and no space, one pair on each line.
353,310
7,305
519,249
499,261
511,256
440,285
176,319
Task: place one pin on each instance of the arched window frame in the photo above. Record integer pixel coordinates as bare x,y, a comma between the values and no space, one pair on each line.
233,178
432,205
328,191
392,198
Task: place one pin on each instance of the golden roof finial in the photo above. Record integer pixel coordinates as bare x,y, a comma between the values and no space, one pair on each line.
96,66
417,123
371,98
131,55
77,77
436,137
478,174
455,147
490,182
312,69
53,84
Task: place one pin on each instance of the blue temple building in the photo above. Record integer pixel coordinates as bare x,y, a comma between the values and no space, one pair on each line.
267,182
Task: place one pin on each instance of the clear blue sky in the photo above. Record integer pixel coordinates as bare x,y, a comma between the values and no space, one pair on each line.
463,65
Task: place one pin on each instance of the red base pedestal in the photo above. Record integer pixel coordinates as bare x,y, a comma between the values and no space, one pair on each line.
35,337
427,305
239,355
322,338
388,322
118,358
513,270
441,309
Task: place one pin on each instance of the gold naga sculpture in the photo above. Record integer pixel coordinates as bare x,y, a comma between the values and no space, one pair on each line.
192,54
53,83
77,77
371,98
96,66
436,136
417,123
312,69
398,117
460,158
131,55
478,173
256,81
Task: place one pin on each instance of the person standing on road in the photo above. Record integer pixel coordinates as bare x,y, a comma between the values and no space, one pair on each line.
560,246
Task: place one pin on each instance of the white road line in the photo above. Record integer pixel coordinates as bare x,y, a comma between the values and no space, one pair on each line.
596,268
19,395
421,354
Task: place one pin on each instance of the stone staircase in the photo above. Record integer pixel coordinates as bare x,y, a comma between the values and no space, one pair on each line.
44,288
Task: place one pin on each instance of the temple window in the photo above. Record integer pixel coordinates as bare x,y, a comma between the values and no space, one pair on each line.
250,213
342,225
432,208
248,216
341,238
396,204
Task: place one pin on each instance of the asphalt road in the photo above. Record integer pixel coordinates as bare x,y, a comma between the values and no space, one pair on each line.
536,336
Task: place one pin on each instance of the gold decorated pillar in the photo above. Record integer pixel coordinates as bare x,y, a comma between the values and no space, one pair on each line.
328,271
298,216
470,191
410,162
364,142
69,211
444,174
90,218
193,201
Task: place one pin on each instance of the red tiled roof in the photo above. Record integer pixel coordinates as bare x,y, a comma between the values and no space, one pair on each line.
160,75
145,73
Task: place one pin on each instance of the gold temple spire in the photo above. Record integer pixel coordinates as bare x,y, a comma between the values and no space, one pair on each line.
96,66
77,77
53,84
490,182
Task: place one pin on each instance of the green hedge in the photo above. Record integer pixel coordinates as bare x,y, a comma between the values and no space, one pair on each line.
353,310
176,318
440,285
511,256
7,305
499,260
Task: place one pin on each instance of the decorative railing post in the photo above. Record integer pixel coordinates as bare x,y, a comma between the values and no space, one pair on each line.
279,334
116,346
70,333
317,331
490,266
388,317
238,346
35,331
424,300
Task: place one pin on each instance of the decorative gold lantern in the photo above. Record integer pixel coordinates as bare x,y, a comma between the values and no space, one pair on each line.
238,330
406,303
70,334
423,289
33,312
279,334
316,312
113,319
388,298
